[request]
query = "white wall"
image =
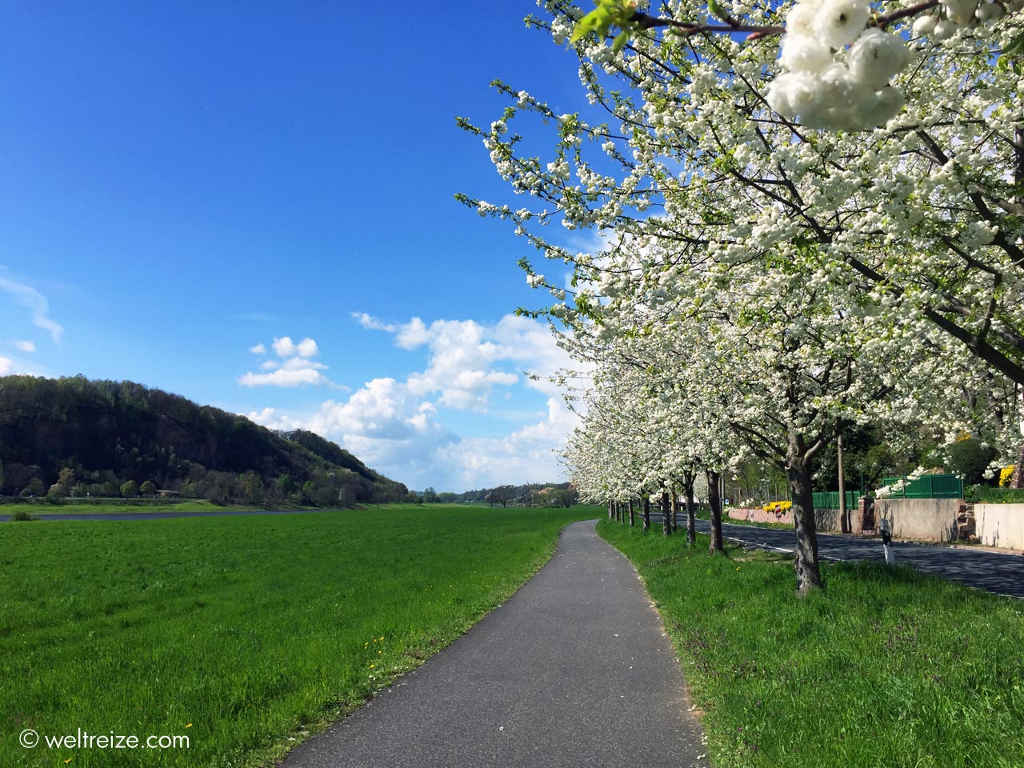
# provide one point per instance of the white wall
(919, 519)
(1000, 525)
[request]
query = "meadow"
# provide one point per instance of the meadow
(243, 633)
(889, 668)
(41, 509)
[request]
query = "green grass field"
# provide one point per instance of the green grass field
(888, 669)
(41, 510)
(242, 633)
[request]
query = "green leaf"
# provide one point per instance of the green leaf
(1013, 50)
(716, 10)
(620, 40)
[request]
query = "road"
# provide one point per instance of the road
(992, 571)
(573, 670)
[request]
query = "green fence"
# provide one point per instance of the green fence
(830, 499)
(927, 487)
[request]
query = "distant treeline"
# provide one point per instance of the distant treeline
(532, 494)
(77, 437)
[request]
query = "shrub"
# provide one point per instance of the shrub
(34, 488)
(969, 458)
(21, 514)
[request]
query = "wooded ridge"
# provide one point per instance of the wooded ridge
(78, 437)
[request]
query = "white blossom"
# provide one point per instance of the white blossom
(876, 56)
(839, 22)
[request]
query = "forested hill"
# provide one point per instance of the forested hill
(76, 437)
(536, 494)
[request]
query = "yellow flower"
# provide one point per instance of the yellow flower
(1006, 475)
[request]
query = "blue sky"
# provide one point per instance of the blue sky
(182, 185)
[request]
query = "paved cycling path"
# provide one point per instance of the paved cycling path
(573, 670)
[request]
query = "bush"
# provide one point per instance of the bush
(984, 494)
(21, 514)
(34, 488)
(130, 489)
(969, 459)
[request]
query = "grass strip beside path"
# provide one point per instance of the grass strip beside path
(241, 632)
(889, 668)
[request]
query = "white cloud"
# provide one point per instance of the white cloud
(285, 347)
(300, 363)
(407, 335)
(26, 346)
(381, 408)
(293, 369)
(34, 301)
(527, 455)
(385, 426)
(271, 418)
(308, 348)
(382, 423)
(283, 377)
(395, 426)
(371, 323)
(6, 366)
(467, 359)
(412, 334)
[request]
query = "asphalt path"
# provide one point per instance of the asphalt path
(573, 670)
(160, 515)
(991, 571)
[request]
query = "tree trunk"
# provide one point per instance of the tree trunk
(808, 575)
(691, 524)
(611, 510)
(675, 509)
(666, 514)
(647, 514)
(715, 502)
(844, 522)
(1017, 481)
(632, 516)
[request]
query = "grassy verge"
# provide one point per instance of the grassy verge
(242, 633)
(888, 668)
(72, 508)
(726, 520)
